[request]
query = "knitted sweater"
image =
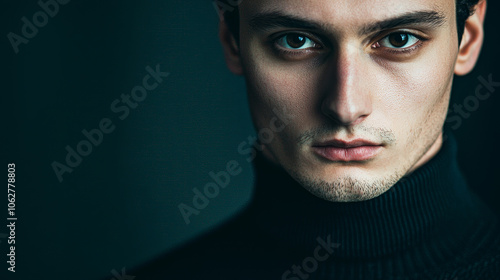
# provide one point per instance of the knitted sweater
(429, 225)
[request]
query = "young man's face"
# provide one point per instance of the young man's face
(368, 83)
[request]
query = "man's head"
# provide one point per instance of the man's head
(368, 83)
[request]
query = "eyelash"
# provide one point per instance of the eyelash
(291, 53)
(403, 51)
(287, 52)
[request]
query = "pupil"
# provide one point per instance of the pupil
(295, 41)
(398, 40)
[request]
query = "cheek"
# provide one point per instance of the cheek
(271, 86)
(419, 91)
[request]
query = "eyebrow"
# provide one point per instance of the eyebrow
(428, 18)
(269, 20)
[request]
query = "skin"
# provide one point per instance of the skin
(346, 82)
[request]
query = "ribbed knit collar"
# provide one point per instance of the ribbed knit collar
(431, 208)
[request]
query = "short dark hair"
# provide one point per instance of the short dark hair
(464, 9)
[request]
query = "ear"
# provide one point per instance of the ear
(231, 49)
(472, 41)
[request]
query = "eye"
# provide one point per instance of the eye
(398, 40)
(296, 41)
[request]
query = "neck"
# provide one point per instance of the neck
(432, 205)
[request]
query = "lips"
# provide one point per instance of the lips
(339, 150)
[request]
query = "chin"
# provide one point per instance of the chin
(346, 183)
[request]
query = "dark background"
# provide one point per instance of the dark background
(118, 208)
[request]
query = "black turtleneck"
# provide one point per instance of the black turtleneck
(427, 226)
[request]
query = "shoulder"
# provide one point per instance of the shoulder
(228, 250)
(480, 255)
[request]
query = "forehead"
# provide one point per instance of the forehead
(345, 13)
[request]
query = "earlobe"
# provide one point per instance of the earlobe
(472, 41)
(231, 49)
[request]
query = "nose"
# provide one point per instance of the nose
(347, 96)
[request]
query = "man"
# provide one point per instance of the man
(359, 180)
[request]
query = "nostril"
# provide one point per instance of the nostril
(344, 116)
